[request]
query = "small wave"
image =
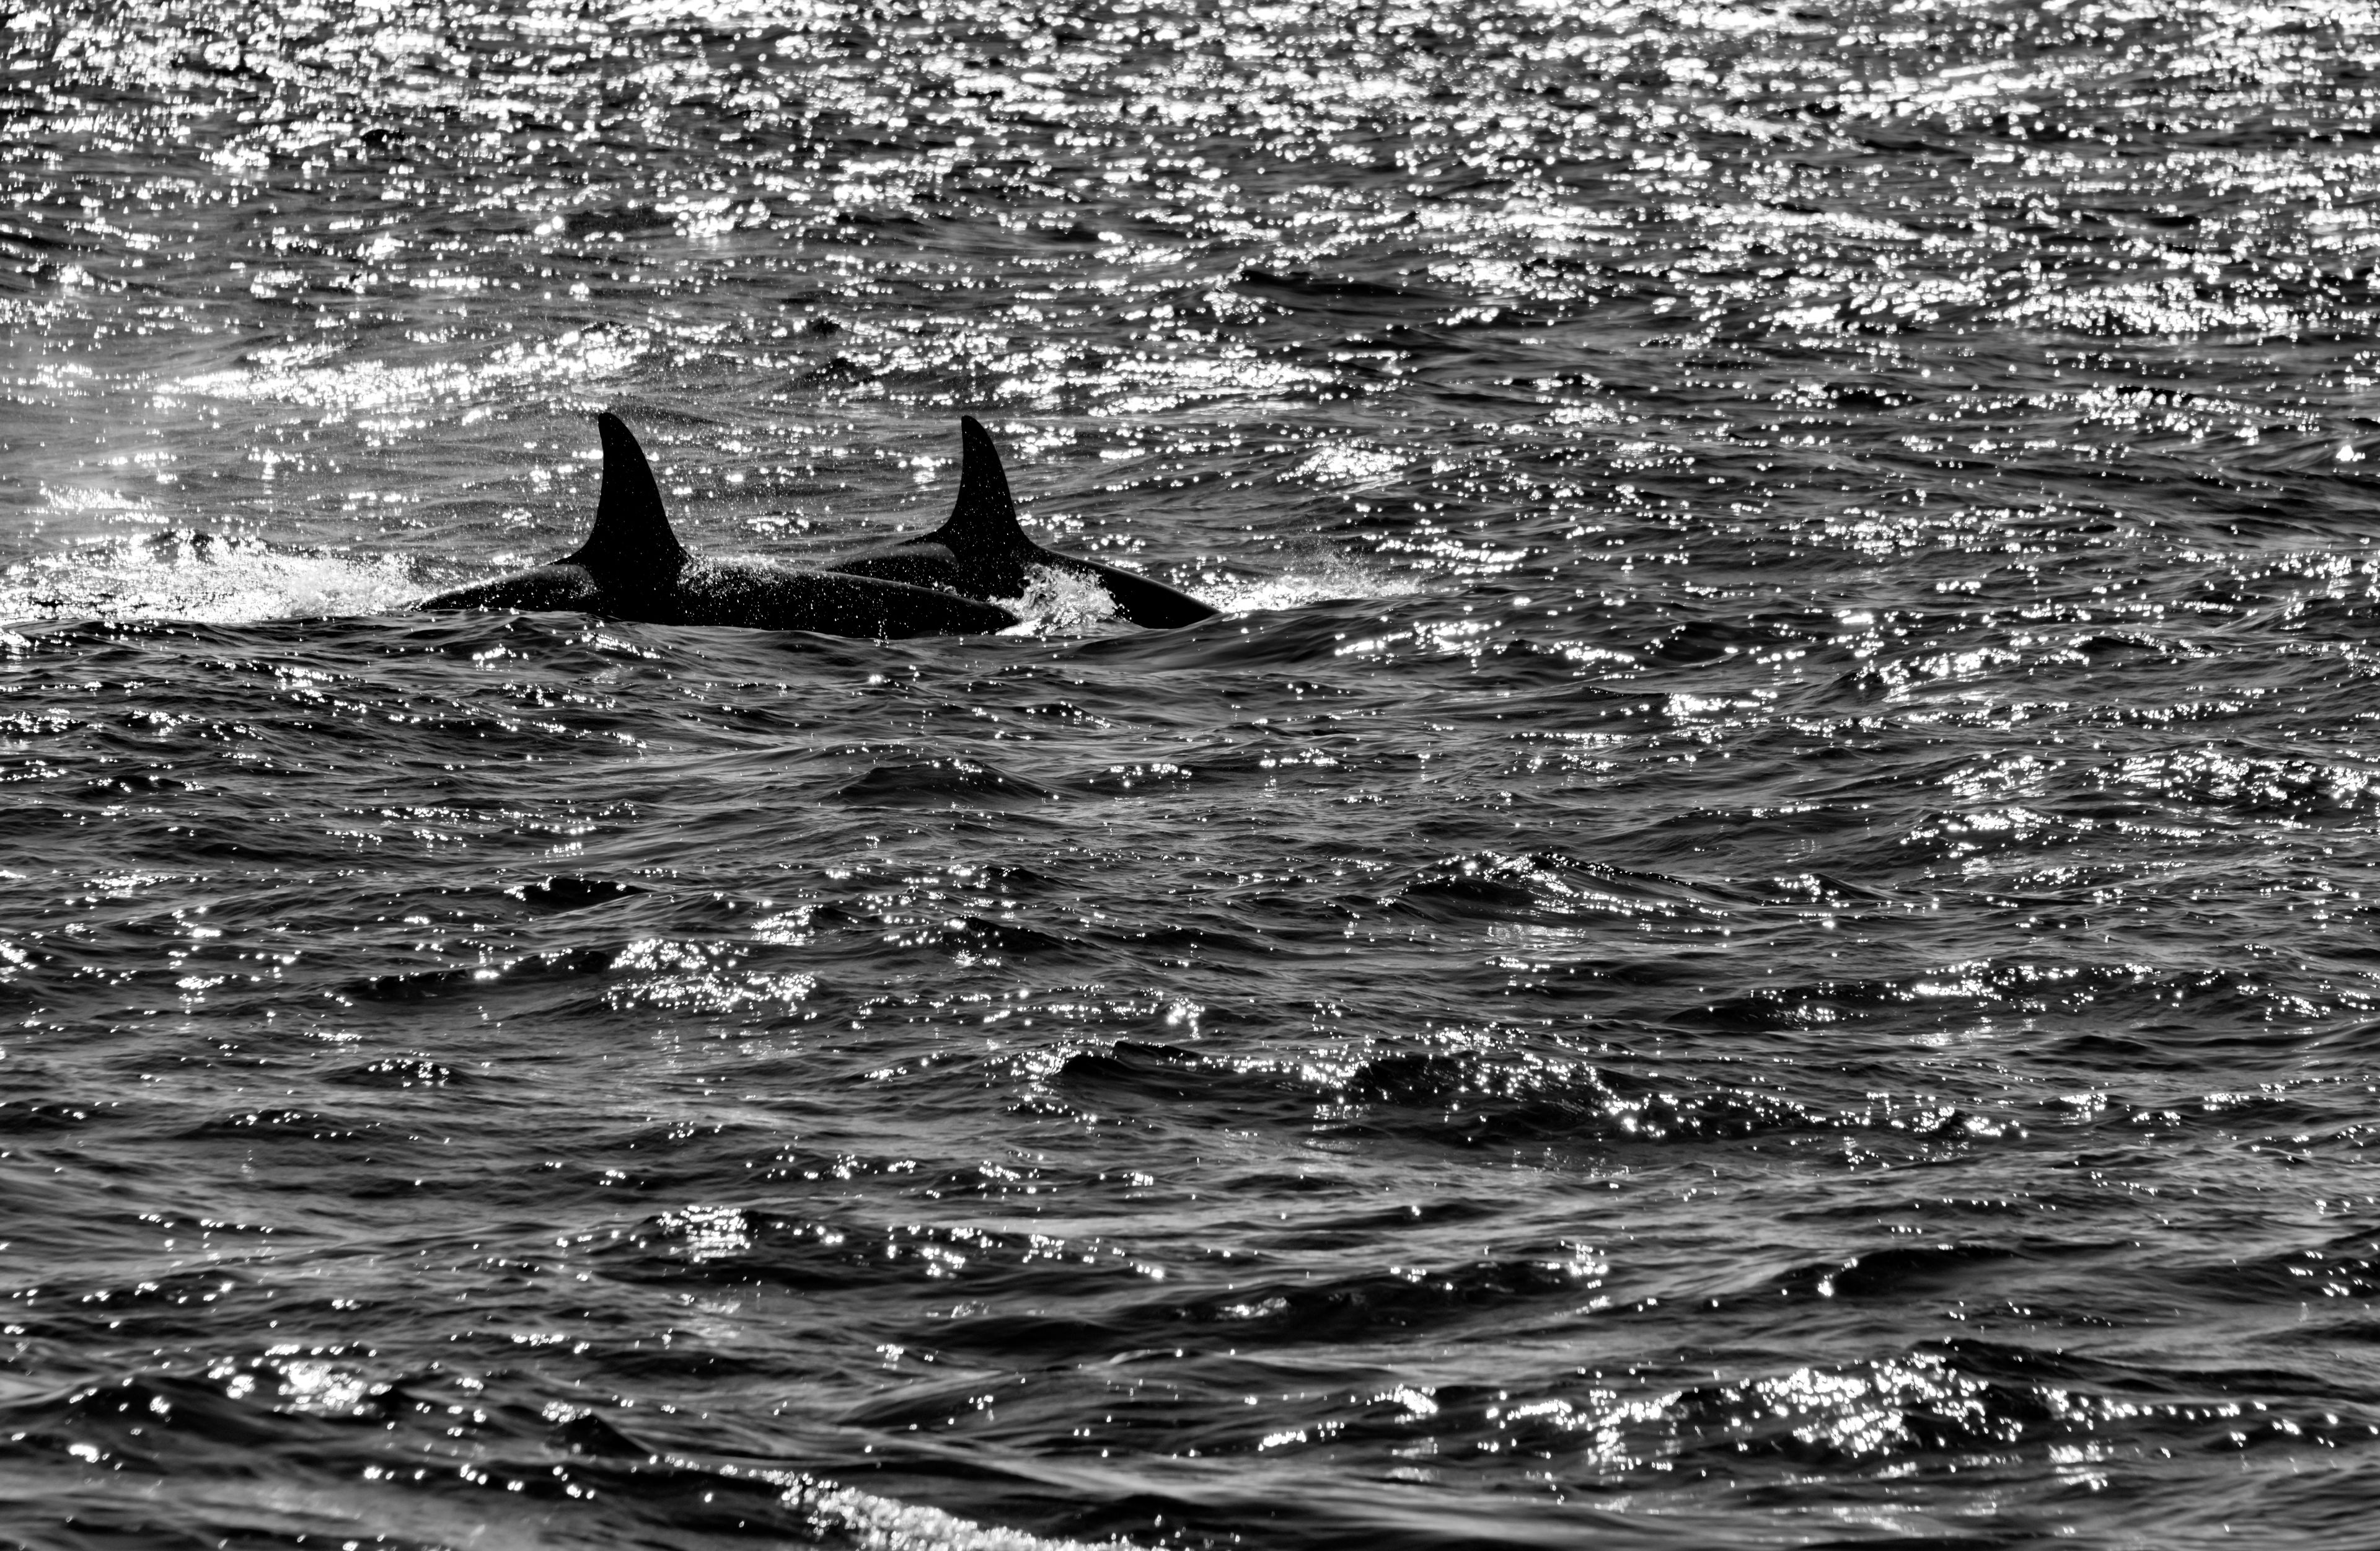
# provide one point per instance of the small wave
(190, 1439)
(2249, 785)
(1314, 571)
(1465, 1098)
(1369, 1305)
(1472, 1098)
(954, 783)
(567, 968)
(410, 1070)
(1496, 886)
(556, 895)
(1353, 464)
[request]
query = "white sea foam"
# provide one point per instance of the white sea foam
(176, 576)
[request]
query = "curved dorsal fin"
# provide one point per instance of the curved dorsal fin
(631, 537)
(985, 517)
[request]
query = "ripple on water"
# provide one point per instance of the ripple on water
(1749, 927)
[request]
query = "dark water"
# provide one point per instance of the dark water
(1756, 929)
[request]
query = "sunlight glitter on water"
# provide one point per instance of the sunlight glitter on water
(1793, 706)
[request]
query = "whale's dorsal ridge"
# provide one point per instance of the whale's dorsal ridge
(632, 536)
(984, 520)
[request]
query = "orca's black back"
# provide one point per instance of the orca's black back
(929, 563)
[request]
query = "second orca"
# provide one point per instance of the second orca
(983, 551)
(633, 568)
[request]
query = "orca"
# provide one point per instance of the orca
(633, 568)
(982, 551)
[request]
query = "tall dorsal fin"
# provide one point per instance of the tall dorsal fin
(631, 539)
(984, 520)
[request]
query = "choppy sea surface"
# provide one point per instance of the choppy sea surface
(1755, 928)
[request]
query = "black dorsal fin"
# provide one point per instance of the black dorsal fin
(632, 538)
(984, 520)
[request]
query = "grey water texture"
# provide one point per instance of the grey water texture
(1751, 926)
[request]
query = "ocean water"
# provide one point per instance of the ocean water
(1755, 928)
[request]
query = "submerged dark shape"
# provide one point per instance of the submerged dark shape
(983, 552)
(633, 568)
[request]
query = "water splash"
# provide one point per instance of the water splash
(1058, 602)
(183, 575)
